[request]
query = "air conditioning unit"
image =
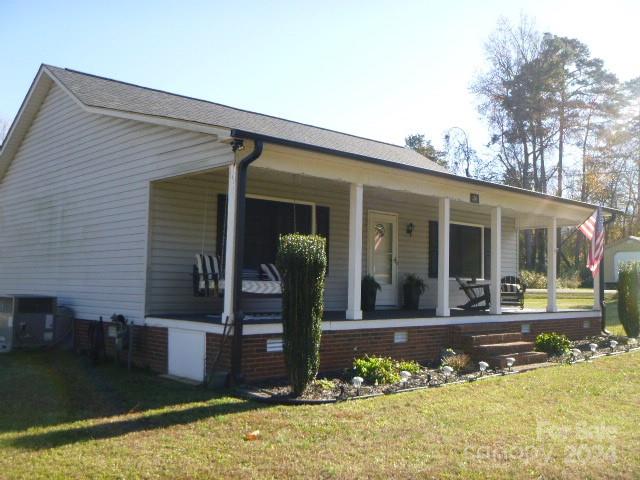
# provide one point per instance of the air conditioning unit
(30, 321)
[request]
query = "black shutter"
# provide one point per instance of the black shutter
(433, 249)
(322, 227)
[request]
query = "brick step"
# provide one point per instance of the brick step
(479, 328)
(490, 339)
(522, 358)
(494, 349)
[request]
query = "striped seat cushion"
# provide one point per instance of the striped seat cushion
(271, 272)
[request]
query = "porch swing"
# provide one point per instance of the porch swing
(208, 270)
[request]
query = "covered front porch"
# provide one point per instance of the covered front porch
(388, 224)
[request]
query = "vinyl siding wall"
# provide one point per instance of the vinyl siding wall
(182, 209)
(74, 205)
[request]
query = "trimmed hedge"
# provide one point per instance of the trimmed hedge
(302, 261)
(628, 296)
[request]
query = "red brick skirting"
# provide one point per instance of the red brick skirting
(150, 347)
(338, 348)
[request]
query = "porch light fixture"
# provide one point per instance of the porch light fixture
(410, 228)
(404, 377)
(447, 371)
(483, 367)
(510, 361)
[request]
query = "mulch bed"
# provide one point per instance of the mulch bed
(339, 388)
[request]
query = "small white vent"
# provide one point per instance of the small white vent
(400, 337)
(586, 324)
(525, 328)
(274, 345)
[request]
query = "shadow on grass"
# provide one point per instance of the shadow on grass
(48, 388)
(111, 429)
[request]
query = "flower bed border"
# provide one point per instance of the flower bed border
(252, 394)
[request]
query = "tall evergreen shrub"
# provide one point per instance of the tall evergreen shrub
(302, 261)
(628, 296)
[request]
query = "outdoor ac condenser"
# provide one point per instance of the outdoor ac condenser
(30, 321)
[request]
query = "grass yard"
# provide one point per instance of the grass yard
(62, 418)
(579, 299)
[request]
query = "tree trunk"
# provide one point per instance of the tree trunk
(528, 246)
(560, 146)
(541, 247)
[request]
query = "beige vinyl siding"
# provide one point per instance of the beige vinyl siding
(180, 207)
(183, 209)
(413, 250)
(74, 205)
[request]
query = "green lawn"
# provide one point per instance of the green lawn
(62, 418)
(579, 299)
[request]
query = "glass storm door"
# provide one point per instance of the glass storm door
(383, 242)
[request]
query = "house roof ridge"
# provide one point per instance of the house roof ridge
(224, 105)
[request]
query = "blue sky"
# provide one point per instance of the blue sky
(376, 69)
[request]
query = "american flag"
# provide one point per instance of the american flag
(593, 229)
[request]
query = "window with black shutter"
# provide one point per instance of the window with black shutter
(465, 250)
(265, 221)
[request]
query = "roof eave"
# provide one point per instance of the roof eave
(445, 175)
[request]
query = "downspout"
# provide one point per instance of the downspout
(235, 376)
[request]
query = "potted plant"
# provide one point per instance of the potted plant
(369, 293)
(414, 286)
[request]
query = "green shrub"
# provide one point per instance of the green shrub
(325, 384)
(410, 366)
(628, 296)
(382, 370)
(570, 282)
(552, 343)
(533, 279)
(302, 261)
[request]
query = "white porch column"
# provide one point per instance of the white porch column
(444, 215)
(496, 260)
(230, 244)
(354, 309)
(552, 265)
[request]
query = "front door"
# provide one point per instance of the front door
(383, 246)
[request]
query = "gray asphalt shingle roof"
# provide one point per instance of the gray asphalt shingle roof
(102, 92)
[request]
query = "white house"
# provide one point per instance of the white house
(108, 190)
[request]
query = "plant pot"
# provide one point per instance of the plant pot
(369, 300)
(411, 297)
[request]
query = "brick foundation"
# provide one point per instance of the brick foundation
(150, 345)
(337, 349)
